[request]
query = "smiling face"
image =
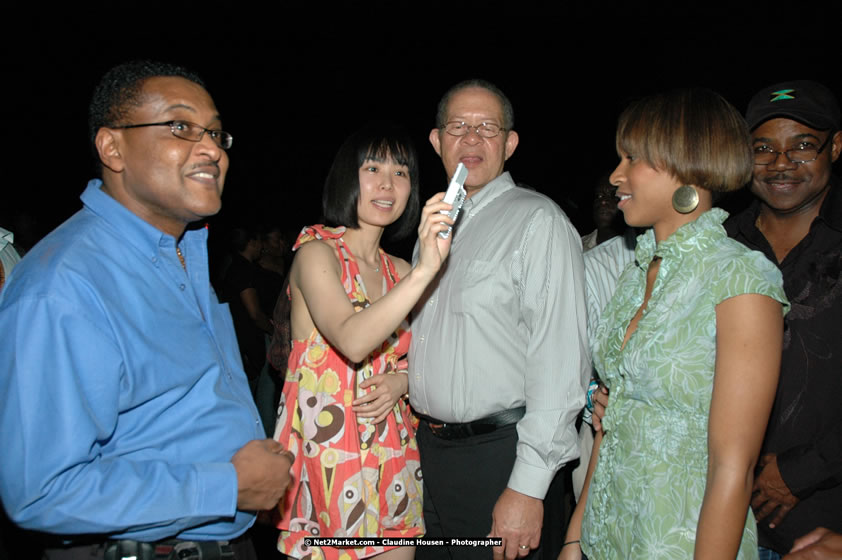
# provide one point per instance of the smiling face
(645, 195)
(384, 190)
(166, 181)
(788, 188)
(484, 157)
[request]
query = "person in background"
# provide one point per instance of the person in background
(603, 266)
(609, 222)
(796, 221)
(240, 291)
(269, 281)
(273, 255)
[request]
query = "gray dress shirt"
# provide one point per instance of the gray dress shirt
(504, 325)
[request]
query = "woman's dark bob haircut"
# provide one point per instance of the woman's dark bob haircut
(377, 141)
(692, 134)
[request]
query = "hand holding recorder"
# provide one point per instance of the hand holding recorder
(437, 220)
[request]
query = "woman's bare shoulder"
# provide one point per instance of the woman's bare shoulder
(314, 255)
(401, 266)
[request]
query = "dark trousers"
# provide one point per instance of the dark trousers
(463, 479)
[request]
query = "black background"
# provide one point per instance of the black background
(293, 80)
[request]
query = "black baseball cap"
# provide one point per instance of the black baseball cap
(805, 101)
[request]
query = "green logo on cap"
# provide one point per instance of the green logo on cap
(781, 94)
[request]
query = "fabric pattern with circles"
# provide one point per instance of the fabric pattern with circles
(351, 477)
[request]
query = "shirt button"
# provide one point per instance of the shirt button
(182, 286)
(154, 259)
(421, 338)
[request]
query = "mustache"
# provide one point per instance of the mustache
(205, 165)
(780, 177)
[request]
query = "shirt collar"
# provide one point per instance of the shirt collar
(488, 193)
(831, 210)
(144, 236)
(686, 238)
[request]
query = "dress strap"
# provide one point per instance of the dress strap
(343, 253)
(318, 231)
(390, 273)
(350, 269)
(347, 260)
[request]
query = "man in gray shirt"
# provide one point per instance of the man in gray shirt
(499, 358)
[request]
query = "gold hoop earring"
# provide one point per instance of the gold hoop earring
(685, 199)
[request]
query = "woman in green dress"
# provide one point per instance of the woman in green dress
(689, 346)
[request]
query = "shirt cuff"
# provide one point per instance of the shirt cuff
(530, 480)
(217, 489)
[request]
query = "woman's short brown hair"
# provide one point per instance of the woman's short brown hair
(695, 135)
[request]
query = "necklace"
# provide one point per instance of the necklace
(375, 269)
(181, 258)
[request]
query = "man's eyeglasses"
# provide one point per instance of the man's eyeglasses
(486, 130)
(805, 152)
(189, 131)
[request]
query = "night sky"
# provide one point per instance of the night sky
(291, 86)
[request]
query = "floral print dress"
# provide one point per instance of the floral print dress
(646, 494)
(351, 477)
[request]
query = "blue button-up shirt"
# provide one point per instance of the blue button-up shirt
(122, 392)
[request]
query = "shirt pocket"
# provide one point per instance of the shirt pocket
(475, 286)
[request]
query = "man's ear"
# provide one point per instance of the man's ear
(435, 140)
(107, 142)
(511, 143)
(836, 146)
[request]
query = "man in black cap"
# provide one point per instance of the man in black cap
(796, 222)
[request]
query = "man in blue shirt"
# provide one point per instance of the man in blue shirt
(125, 414)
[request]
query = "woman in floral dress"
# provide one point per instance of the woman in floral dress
(342, 413)
(689, 345)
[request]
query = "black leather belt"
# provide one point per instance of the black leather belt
(448, 430)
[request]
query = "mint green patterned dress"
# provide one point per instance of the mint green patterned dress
(646, 494)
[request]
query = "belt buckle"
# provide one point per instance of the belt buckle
(187, 550)
(437, 429)
(194, 550)
(123, 549)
